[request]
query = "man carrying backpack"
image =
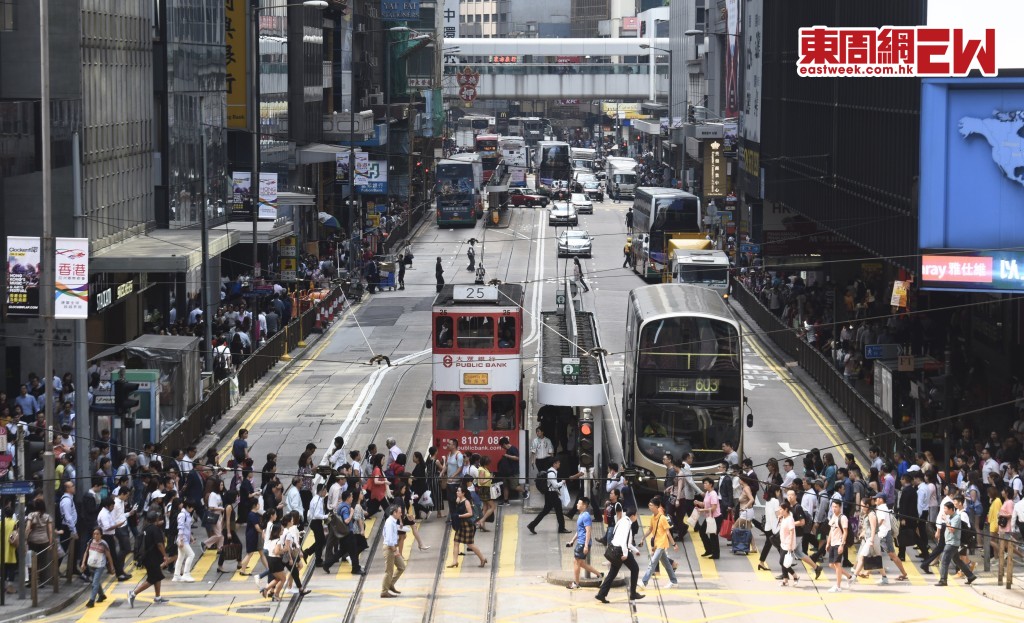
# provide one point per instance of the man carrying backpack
(552, 501)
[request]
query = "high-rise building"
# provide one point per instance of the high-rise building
(586, 15)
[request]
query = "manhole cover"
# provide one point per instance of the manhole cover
(320, 415)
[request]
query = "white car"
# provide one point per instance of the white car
(582, 204)
(575, 242)
(562, 213)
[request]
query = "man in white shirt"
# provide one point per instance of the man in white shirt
(875, 454)
(292, 498)
(186, 462)
(940, 533)
(731, 457)
(923, 496)
(988, 466)
(340, 456)
(394, 564)
(789, 476)
(393, 451)
(540, 450)
(885, 541)
(622, 537)
(552, 501)
(1013, 480)
(334, 493)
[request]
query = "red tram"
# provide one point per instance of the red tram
(477, 392)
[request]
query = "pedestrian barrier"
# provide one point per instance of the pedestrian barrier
(874, 424)
(201, 418)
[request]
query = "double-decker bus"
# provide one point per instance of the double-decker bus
(532, 129)
(458, 197)
(683, 384)
(471, 126)
(477, 390)
(551, 161)
(514, 153)
(659, 215)
(487, 147)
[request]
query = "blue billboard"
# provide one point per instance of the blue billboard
(399, 10)
(972, 163)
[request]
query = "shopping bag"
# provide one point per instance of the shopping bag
(694, 518)
(726, 531)
(787, 561)
(563, 495)
(872, 562)
(712, 526)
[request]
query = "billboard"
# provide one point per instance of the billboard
(241, 195)
(972, 163)
(1005, 16)
(23, 273)
(979, 271)
(374, 181)
(268, 196)
(750, 111)
(450, 19)
(732, 64)
(71, 292)
(399, 10)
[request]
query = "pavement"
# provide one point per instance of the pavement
(332, 389)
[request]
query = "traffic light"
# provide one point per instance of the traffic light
(586, 439)
(124, 402)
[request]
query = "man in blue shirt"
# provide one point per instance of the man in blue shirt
(394, 564)
(581, 543)
(337, 545)
(28, 403)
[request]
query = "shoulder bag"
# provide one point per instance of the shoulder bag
(613, 553)
(339, 529)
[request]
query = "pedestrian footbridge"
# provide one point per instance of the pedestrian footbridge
(539, 69)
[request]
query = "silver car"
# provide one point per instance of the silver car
(575, 242)
(582, 204)
(562, 213)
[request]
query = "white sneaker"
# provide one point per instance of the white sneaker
(835, 589)
(850, 582)
(673, 584)
(293, 591)
(176, 578)
(642, 585)
(884, 581)
(187, 578)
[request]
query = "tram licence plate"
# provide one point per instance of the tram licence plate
(475, 378)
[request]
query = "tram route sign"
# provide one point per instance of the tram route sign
(570, 366)
(476, 294)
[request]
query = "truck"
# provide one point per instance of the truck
(582, 158)
(621, 178)
(701, 267)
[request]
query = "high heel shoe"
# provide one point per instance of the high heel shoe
(761, 567)
(484, 563)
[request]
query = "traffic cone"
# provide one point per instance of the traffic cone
(318, 326)
(330, 313)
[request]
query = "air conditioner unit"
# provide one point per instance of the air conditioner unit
(375, 99)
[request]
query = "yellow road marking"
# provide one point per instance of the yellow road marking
(708, 571)
(509, 546)
(203, 564)
(754, 560)
(800, 395)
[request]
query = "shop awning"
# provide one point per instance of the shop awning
(267, 232)
(161, 251)
(318, 152)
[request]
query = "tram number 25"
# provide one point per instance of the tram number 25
(479, 440)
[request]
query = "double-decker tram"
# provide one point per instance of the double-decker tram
(477, 391)
(683, 385)
(487, 147)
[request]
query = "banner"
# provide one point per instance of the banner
(235, 36)
(71, 292)
(450, 19)
(23, 273)
(268, 196)
(241, 193)
(341, 162)
(375, 179)
(399, 10)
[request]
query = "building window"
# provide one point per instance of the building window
(487, 17)
(503, 17)
(6, 14)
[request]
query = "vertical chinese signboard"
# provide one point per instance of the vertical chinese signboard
(716, 181)
(235, 36)
(71, 295)
(23, 273)
(450, 17)
(287, 249)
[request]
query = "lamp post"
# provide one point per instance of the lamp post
(254, 88)
(670, 60)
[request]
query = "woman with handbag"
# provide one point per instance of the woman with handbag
(275, 564)
(213, 519)
(485, 483)
(868, 529)
(39, 534)
(377, 486)
(787, 543)
(186, 555)
(291, 542)
(232, 546)
(462, 513)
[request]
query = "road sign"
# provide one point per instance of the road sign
(570, 366)
(750, 247)
(559, 299)
(881, 351)
(17, 487)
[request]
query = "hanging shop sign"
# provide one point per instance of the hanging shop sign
(399, 10)
(23, 273)
(71, 291)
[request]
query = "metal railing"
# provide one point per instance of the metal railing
(201, 418)
(874, 424)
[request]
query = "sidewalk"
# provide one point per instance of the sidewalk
(18, 610)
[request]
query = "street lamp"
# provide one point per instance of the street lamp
(644, 46)
(255, 113)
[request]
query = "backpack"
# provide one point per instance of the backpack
(220, 362)
(542, 480)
